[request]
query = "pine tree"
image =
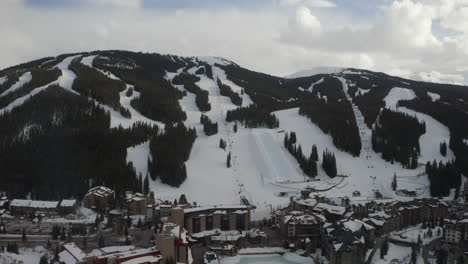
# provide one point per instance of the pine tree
(44, 260)
(85, 242)
(23, 236)
(314, 153)
(139, 224)
(182, 199)
(384, 249)
(394, 182)
(443, 149)
(140, 183)
(101, 243)
(222, 144)
(63, 236)
(413, 255)
(228, 160)
(146, 185)
(235, 127)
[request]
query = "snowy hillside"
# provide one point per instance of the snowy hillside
(113, 131)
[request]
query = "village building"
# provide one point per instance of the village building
(71, 254)
(99, 198)
(347, 241)
(139, 204)
(205, 218)
(300, 226)
(68, 207)
(172, 242)
(28, 207)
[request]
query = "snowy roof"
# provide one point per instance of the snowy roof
(100, 191)
(356, 225)
(67, 203)
(20, 202)
(130, 253)
(67, 258)
(216, 207)
(74, 251)
(134, 197)
(334, 209)
(305, 219)
(143, 260)
(44, 204)
(115, 249)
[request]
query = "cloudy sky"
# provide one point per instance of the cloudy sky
(419, 39)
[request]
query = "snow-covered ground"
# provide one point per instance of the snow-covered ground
(311, 88)
(116, 118)
(138, 155)
(3, 79)
(396, 254)
(315, 71)
(411, 234)
(259, 162)
(434, 97)
(22, 80)
(25, 256)
(262, 167)
(65, 81)
(436, 132)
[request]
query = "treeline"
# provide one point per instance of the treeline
(189, 80)
(442, 178)
(169, 151)
(329, 163)
(158, 98)
(92, 83)
(253, 116)
(454, 117)
(337, 119)
(226, 90)
(39, 78)
(12, 78)
(396, 136)
(209, 127)
(60, 153)
(307, 164)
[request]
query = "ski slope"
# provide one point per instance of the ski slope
(22, 80)
(65, 81)
(116, 118)
(260, 164)
(436, 132)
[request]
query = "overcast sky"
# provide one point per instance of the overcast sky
(419, 39)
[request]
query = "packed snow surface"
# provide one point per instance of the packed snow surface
(65, 81)
(116, 118)
(22, 80)
(434, 97)
(436, 132)
(3, 79)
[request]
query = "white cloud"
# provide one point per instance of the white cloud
(438, 77)
(308, 3)
(292, 36)
(118, 3)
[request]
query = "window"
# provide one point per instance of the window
(225, 222)
(240, 222)
(196, 225)
(209, 222)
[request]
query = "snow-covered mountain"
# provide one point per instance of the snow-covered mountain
(128, 120)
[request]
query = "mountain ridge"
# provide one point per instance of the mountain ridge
(162, 118)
